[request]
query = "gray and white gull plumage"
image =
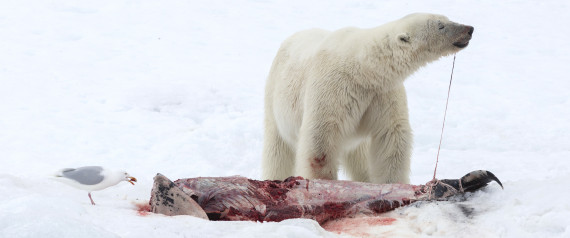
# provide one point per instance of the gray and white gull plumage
(92, 178)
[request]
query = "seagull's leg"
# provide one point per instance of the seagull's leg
(92, 202)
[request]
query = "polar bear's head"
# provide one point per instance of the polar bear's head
(432, 33)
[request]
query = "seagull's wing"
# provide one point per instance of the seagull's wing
(89, 175)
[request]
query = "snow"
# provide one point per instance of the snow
(177, 87)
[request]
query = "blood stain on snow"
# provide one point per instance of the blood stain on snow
(143, 208)
(357, 226)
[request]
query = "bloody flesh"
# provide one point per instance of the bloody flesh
(241, 199)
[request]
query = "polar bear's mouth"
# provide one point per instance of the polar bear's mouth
(461, 44)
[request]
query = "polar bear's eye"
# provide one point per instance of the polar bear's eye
(440, 25)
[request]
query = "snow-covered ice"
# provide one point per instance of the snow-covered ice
(176, 87)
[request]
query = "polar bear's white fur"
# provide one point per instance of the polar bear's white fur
(338, 98)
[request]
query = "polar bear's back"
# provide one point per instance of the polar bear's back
(308, 43)
(304, 44)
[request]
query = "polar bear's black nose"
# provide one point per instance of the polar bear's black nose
(470, 30)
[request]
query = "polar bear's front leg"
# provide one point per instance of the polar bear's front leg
(324, 124)
(332, 112)
(317, 151)
(390, 148)
(390, 155)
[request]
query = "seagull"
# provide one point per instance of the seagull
(92, 178)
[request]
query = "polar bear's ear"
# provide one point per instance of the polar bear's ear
(404, 38)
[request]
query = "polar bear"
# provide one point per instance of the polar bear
(338, 98)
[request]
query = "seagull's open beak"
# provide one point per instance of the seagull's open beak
(131, 180)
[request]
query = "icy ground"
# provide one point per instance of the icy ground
(176, 87)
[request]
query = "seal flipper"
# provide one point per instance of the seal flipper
(478, 179)
(468, 183)
(166, 198)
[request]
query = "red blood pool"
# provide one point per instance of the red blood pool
(143, 208)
